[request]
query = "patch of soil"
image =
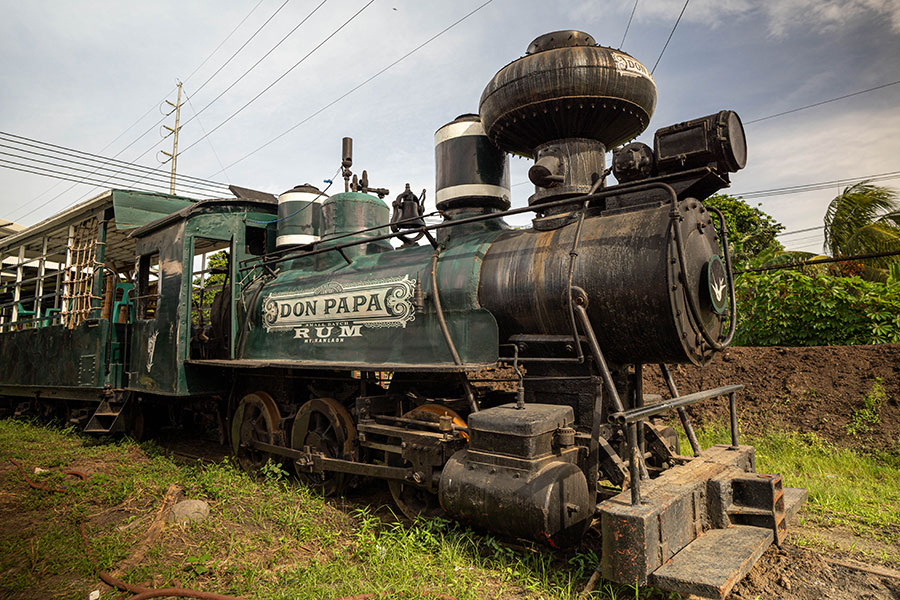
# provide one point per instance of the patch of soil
(792, 573)
(811, 389)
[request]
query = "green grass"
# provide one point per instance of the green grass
(847, 488)
(266, 537)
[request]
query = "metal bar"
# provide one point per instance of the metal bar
(322, 463)
(17, 291)
(400, 432)
(547, 378)
(541, 359)
(392, 448)
(39, 287)
(633, 464)
(598, 357)
(682, 413)
(732, 407)
(606, 192)
(638, 414)
(67, 279)
(639, 403)
(426, 424)
(2, 312)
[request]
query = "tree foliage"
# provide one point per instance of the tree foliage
(864, 219)
(751, 232)
(211, 284)
(789, 308)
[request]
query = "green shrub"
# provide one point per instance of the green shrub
(789, 308)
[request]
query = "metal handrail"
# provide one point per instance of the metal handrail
(642, 413)
(606, 192)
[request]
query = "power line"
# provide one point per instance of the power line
(677, 21)
(120, 152)
(90, 172)
(197, 113)
(113, 179)
(807, 241)
(88, 156)
(783, 233)
(793, 110)
(236, 52)
(203, 129)
(222, 43)
(627, 27)
(153, 127)
(819, 261)
(264, 56)
(811, 187)
(282, 76)
(347, 93)
(66, 177)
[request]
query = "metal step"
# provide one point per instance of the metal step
(107, 418)
(711, 564)
(793, 500)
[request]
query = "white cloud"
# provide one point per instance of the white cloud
(781, 16)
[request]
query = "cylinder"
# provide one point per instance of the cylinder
(299, 216)
(575, 165)
(628, 265)
(471, 171)
(550, 504)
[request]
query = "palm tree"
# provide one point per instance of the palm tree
(864, 219)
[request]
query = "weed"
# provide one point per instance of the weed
(862, 419)
(273, 471)
(197, 564)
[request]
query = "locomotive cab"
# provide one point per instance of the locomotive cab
(188, 292)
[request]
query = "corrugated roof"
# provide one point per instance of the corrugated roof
(8, 228)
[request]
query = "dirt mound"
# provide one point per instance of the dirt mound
(819, 389)
(792, 573)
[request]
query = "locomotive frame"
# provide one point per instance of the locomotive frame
(313, 305)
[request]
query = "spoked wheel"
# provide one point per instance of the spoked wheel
(412, 500)
(325, 426)
(256, 418)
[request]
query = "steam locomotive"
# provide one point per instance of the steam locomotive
(489, 373)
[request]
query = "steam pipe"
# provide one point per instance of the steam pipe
(436, 297)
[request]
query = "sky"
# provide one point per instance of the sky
(82, 74)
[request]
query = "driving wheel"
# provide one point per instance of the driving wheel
(324, 425)
(256, 419)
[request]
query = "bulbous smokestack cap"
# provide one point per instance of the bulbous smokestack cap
(567, 87)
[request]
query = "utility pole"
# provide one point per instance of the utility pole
(176, 108)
